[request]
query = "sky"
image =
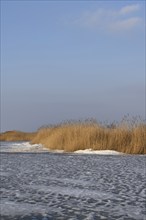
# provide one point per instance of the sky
(71, 60)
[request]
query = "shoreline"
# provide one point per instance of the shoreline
(87, 137)
(19, 147)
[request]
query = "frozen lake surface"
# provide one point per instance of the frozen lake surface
(38, 185)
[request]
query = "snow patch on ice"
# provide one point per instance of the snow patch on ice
(102, 152)
(21, 147)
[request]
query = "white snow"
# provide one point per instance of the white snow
(102, 152)
(21, 147)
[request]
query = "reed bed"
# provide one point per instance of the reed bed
(80, 136)
(126, 137)
(17, 136)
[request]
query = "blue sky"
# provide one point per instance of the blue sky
(63, 60)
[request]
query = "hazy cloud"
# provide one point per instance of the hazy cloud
(126, 24)
(129, 9)
(111, 20)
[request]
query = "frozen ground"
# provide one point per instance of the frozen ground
(18, 147)
(44, 186)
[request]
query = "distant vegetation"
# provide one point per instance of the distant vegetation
(126, 136)
(17, 136)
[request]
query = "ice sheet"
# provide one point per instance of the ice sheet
(72, 186)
